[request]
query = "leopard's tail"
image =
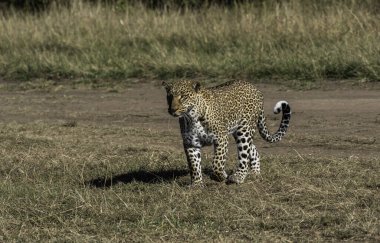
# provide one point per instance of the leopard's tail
(286, 114)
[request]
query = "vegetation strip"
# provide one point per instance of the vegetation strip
(289, 40)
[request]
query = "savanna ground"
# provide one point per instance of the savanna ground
(107, 164)
(89, 152)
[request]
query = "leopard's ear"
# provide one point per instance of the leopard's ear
(196, 86)
(165, 85)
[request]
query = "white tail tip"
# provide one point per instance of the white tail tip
(278, 107)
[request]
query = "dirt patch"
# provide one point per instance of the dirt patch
(339, 122)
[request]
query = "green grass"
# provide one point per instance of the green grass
(293, 40)
(107, 183)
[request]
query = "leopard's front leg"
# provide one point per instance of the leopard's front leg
(192, 147)
(220, 155)
(193, 156)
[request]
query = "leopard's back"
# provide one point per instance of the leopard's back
(233, 102)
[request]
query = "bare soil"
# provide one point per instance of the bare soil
(339, 122)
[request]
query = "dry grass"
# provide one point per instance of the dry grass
(292, 40)
(90, 182)
(83, 174)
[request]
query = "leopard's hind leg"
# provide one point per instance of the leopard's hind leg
(254, 159)
(243, 140)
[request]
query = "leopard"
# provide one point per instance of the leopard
(209, 115)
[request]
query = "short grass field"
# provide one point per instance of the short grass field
(88, 152)
(107, 165)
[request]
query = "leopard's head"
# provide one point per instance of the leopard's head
(181, 96)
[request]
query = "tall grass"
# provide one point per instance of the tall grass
(292, 40)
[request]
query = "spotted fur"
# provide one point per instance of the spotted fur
(208, 115)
